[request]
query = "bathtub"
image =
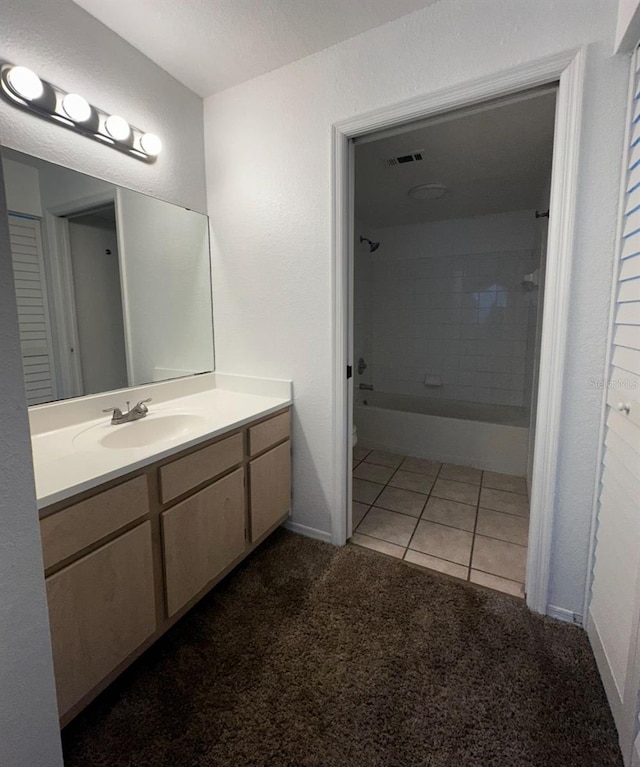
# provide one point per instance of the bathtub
(490, 437)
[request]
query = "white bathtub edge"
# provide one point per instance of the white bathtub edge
(487, 446)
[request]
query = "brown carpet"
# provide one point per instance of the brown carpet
(308, 655)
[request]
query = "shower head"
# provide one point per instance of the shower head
(372, 245)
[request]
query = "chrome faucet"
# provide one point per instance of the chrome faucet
(135, 413)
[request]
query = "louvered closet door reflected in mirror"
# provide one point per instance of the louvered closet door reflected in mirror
(33, 308)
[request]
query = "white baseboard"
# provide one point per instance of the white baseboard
(310, 532)
(604, 667)
(560, 614)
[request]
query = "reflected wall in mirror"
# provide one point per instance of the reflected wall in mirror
(113, 286)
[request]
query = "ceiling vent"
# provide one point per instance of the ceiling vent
(402, 159)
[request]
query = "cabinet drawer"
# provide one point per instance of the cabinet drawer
(68, 531)
(270, 483)
(186, 473)
(101, 609)
(201, 536)
(269, 433)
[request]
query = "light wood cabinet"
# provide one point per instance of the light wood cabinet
(125, 561)
(201, 537)
(270, 483)
(269, 432)
(67, 532)
(178, 477)
(101, 608)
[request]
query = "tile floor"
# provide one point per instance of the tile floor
(464, 522)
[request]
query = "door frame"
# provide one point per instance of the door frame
(567, 68)
(69, 351)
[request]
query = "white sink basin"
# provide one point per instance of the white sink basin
(154, 428)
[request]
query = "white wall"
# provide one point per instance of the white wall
(268, 146)
(166, 296)
(628, 26)
(64, 44)
(60, 187)
(447, 302)
(28, 712)
(22, 187)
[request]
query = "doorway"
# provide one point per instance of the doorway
(97, 292)
(567, 69)
(447, 297)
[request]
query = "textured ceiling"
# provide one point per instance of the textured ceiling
(211, 45)
(492, 161)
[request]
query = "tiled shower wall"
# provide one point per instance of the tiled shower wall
(440, 310)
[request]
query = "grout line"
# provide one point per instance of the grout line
(407, 490)
(373, 463)
(370, 481)
(370, 503)
(416, 527)
(384, 540)
(361, 521)
(509, 513)
(504, 578)
(459, 503)
(475, 529)
(450, 561)
(395, 511)
(430, 494)
(459, 482)
(493, 538)
(502, 490)
(444, 524)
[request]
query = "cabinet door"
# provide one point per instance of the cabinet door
(270, 481)
(101, 609)
(202, 536)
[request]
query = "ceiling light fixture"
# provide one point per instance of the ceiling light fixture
(24, 89)
(427, 191)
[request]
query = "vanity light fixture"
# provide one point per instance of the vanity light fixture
(117, 127)
(151, 144)
(76, 108)
(25, 83)
(24, 89)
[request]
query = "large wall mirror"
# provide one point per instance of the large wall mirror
(113, 287)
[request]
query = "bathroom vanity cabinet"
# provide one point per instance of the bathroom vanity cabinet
(126, 560)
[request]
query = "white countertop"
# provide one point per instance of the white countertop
(69, 458)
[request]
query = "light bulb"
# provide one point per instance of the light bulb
(117, 127)
(25, 83)
(76, 107)
(151, 144)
